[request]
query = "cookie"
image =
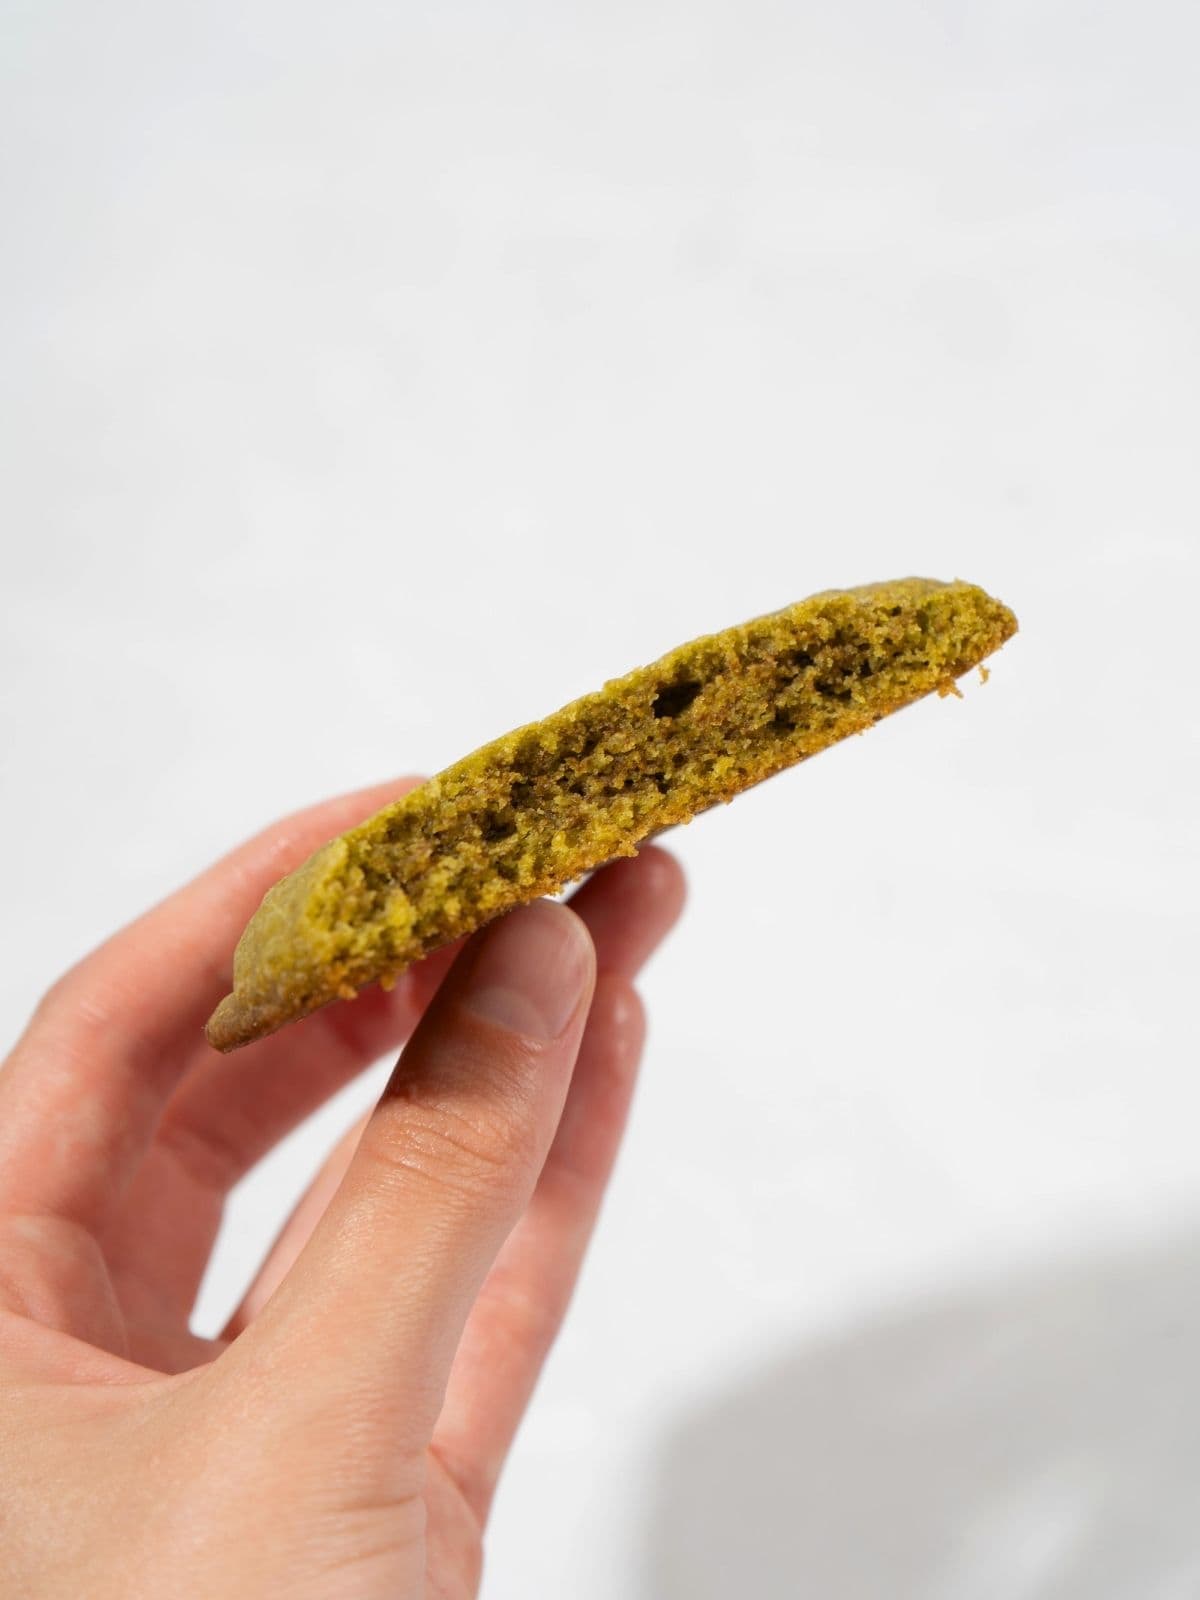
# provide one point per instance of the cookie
(534, 810)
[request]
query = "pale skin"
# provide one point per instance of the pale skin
(344, 1435)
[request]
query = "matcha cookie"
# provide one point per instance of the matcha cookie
(534, 810)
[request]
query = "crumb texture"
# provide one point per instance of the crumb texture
(539, 807)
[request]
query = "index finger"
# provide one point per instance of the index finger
(83, 1089)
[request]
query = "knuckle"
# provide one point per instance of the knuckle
(471, 1150)
(81, 1004)
(213, 1156)
(470, 1477)
(53, 997)
(525, 1316)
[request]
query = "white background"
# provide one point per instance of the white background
(378, 377)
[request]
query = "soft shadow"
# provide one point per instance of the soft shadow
(1039, 1441)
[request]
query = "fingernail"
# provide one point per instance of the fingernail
(532, 970)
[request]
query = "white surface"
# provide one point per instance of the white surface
(336, 339)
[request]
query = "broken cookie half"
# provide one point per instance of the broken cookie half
(534, 810)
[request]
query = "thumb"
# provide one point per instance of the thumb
(361, 1334)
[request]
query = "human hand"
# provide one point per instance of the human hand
(344, 1435)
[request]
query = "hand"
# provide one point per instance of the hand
(344, 1436)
